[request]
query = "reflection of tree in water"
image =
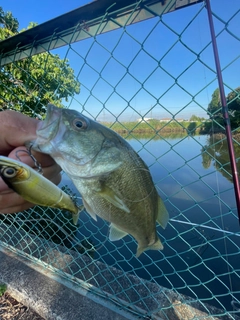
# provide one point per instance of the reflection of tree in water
(216, 152)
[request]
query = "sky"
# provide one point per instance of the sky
(160, 68)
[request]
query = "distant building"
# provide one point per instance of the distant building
(144, 119)
(165, 120)
(180, 120)
(171, 119)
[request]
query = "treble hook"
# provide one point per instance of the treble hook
(36, 163)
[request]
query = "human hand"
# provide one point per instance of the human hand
(15, 130)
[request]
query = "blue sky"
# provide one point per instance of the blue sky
(163, 76)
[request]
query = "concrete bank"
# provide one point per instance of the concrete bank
(60, 284)
(53, 299)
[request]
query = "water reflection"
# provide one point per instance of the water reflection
(192, 261)
(194, 257)
(216, 152)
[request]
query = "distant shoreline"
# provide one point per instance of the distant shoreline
(155, 126)
(173, 126)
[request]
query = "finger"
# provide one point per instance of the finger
(3, 186)
(22, 125)
(17, 208)
(54, 176)
(11, 202)
(48, 165)
(22, 154)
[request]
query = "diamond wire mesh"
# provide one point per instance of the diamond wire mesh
(191, 171)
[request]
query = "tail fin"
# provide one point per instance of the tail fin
(156, 246)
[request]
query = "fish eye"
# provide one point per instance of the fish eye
(79, 124)
(9, 172)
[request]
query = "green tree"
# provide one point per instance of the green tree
(196, 118)
(233, 101)
(214, 107)
(30, 84)
(9, 24)
(215, 113)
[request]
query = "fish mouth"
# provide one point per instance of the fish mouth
(47, 129)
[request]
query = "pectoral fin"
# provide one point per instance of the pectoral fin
(163, 216)
(115, 233)
(75, 216)
(108, 194)
(89, 210)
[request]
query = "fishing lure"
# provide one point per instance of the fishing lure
(34, 187)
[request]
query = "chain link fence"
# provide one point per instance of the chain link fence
(147, 71)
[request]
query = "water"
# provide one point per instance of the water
(194, 179)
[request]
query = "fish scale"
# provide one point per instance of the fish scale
(114, 182)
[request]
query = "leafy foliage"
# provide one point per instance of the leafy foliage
(30, 84)
(196, 118)
(233, 100)
(3, 288)
(214, 107)
(9, 24)
(215, 111)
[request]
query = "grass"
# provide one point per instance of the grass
(3, 288)
(154, 126)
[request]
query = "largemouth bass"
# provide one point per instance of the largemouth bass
(34, 187)
(114, 182)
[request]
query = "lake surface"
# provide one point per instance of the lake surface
(193, 177)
